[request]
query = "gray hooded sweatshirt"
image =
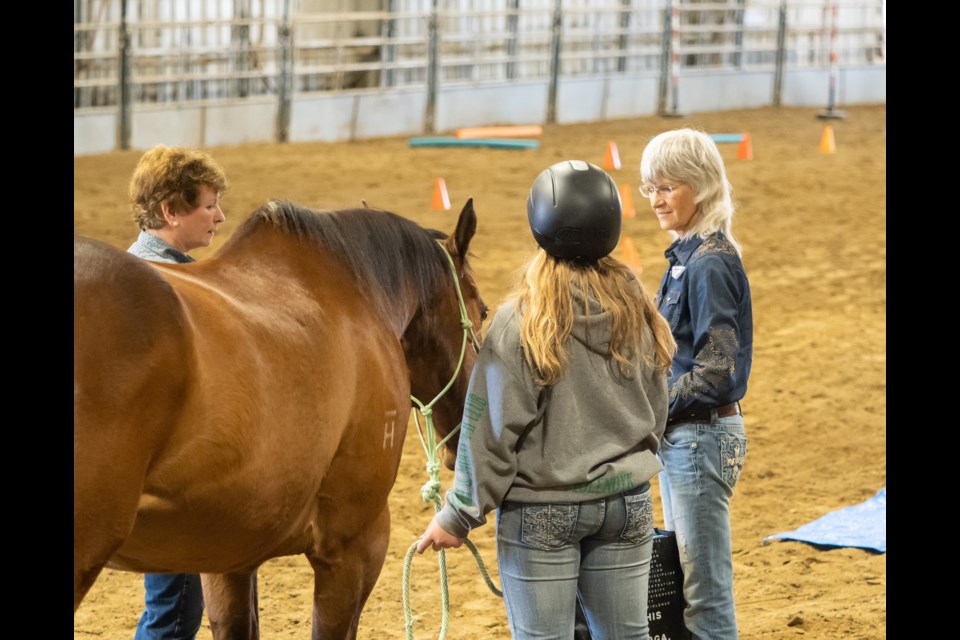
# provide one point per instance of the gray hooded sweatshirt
(598, 437)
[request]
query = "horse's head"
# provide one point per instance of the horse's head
(435, 341)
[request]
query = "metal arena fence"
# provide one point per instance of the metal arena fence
(144, 55)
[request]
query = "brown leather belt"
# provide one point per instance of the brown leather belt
(703, 415)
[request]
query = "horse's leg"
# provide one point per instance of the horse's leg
(231, 603)
(344, 577)
(94, 541)
(87, 565)
(82, 582)
(104, 510)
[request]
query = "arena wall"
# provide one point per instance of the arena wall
(576, 61)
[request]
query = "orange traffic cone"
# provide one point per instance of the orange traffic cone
(612, 160)
(745, 150)
(441, 201)
(629, 255)
(827, 144)
(626, 201)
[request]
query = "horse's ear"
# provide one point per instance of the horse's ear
(364, 203)
(466, 228)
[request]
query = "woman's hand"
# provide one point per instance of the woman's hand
(437, 538)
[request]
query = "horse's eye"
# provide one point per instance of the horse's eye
(483, 313)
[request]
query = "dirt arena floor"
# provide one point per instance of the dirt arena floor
(813, 227)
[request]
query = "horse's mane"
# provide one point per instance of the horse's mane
(388, 254)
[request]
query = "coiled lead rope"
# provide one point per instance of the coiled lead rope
(431, 489)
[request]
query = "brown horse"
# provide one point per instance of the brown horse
(254, 404)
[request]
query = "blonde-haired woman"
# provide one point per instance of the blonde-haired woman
(567, 403)
(705, 296)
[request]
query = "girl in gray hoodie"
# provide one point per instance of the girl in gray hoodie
(565, 409)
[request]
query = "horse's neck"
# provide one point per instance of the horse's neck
(271, 253)
(267, 252)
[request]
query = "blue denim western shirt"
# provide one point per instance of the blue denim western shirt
(705, 297)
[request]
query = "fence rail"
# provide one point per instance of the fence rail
(190, 53)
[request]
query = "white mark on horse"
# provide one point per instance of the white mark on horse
(388, 427)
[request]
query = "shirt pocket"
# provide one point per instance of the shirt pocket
(671, 306)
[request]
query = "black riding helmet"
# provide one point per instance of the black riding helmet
(574, 211)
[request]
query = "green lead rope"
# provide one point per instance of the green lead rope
(431, 492)
(431, 489)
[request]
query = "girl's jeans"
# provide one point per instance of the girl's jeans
(598, 551)
(701, 465)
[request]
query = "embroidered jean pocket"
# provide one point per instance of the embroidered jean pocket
(639, 519)
(548, 526)
(733, 452)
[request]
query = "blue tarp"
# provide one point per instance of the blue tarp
(863, 525)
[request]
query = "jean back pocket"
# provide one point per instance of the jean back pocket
(639, 518)
(548, 526)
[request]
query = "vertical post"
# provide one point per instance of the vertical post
(513, 20)
(781, 55)
(389, 50)
(185, 60)
(663, 84)
(240, 49)
(285, 78)
(738, 37)
(831, 113)
(125, 108)
(433, 65)
(554, 61)
(672, 26)
(623, 39)
(80, 44)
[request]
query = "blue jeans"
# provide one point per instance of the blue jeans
(701, 465)
(174, 607)
(549, 555)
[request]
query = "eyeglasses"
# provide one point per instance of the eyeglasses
(664, 190)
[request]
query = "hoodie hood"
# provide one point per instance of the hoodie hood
(592, 330)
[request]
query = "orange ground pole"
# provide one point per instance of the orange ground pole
(517, 131)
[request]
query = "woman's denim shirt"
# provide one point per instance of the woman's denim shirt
(705, 297)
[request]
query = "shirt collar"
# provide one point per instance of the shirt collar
(162, 247)
(682, 248)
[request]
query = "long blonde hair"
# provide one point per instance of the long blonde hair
(545, 299)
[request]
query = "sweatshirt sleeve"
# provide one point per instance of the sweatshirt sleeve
(500, 403)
